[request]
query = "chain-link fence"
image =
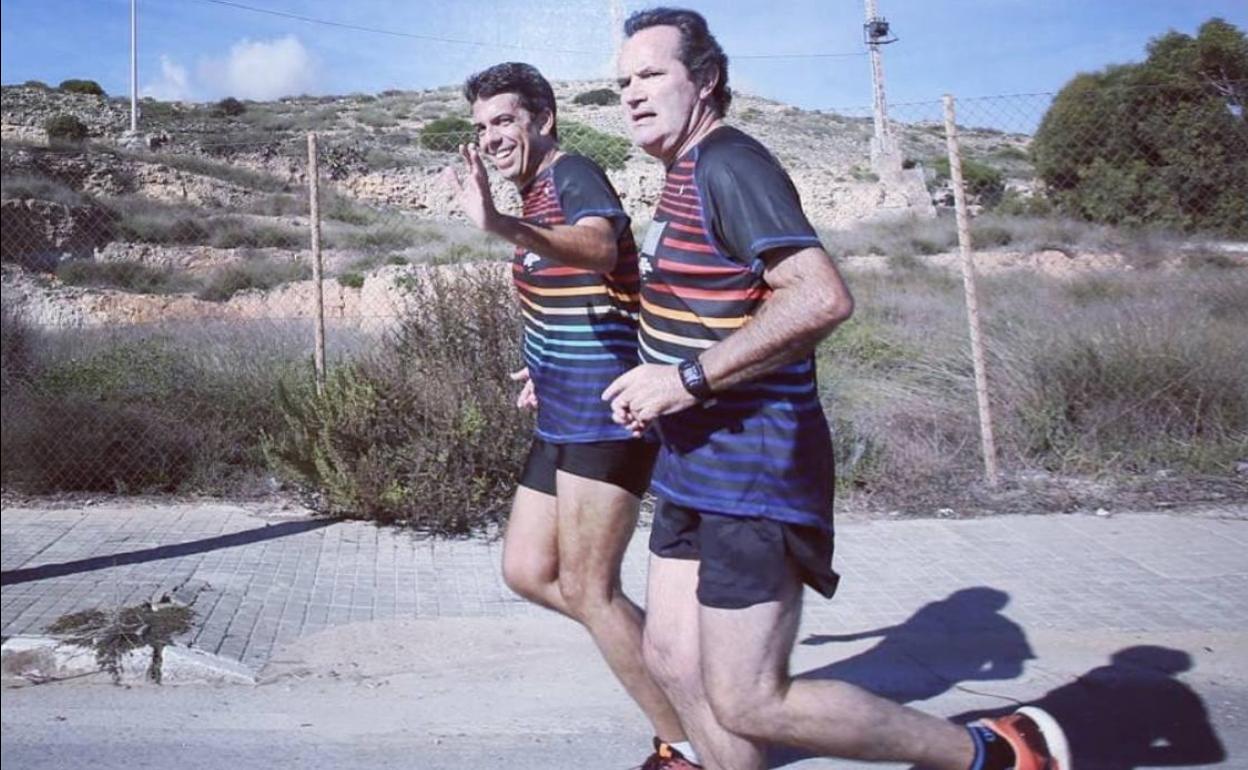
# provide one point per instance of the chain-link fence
(159, 307)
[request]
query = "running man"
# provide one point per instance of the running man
(737, 291)
(575, 270)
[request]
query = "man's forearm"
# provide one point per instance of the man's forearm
(585, 246)
(785, 329)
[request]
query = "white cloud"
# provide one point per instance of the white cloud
(261, 69)
(174, 84)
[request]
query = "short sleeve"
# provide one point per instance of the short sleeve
(750, 205)
(585, 191)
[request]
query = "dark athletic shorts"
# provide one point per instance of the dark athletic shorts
(626, 463)
(744, 560)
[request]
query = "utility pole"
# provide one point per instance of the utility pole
(885, 156)
(134, 69)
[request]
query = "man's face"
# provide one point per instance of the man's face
(512, 138)
(659, 96)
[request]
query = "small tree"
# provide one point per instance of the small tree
(230, 107)
(65, 128)
(76, 86)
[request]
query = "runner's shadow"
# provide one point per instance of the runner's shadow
(1132, 713)
(961, 638)
(958, 639)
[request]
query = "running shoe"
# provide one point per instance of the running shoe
(667, 758)
(1036, 737)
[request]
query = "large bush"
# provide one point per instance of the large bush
(65, 128)
(607, 150)
(425, 430)
(446, 134)
(1160, 143)
(601, 97)
(230, 107)
(77, 86)
(984, 182)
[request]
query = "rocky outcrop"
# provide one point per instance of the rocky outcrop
(38, 234)
(31, 107)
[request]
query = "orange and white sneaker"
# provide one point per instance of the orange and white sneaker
(667, 758)
(1036, 738)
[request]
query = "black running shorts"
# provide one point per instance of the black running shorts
(626, 463)
(744, 560)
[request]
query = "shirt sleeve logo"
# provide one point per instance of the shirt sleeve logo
(531, 259)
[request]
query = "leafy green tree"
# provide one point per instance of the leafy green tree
(1160, 143)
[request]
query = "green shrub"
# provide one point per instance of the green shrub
(229, 107)
(75, 86)
(606, 150)
(170, 413)
(446, 134)
(262, 274)
(601, 97)
(17, 345)
(351, 280)
(425, 430)
(128, 276)
(65, 128)
(37, 84)
(376, 118)
(983, 181)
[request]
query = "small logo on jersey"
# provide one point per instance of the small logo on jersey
(531, 259)
(654, 233)
(645, 265)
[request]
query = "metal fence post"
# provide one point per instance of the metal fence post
(314, 221)
(987, 443)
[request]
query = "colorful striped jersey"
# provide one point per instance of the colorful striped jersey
(761, 448)
(580, 326)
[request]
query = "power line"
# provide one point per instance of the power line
(391, 32)
(480, 44)
(735, 57)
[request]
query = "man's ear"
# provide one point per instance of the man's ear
(546, 124)
(708, 87)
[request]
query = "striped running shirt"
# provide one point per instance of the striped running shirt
(761, 448)
(580, 326)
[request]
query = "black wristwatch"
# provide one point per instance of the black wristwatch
(694, 379)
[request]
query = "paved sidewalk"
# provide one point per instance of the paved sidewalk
(258, 580)
(1132, 627)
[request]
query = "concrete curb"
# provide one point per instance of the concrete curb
(39, 659)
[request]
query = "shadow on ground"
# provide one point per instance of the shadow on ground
(1130, 714)
(256, 535)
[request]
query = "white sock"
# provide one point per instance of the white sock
(686, 748)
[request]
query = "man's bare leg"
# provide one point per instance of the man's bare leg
(745, 655)
(596, 520)
(673, 655)
(531, 550)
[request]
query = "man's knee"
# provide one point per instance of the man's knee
(670, 659)
(748, 709)
(585, 595)
(525, 577)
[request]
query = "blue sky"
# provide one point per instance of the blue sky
(199, 49)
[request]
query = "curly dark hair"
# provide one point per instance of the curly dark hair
(517, 78)
(699, 50)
